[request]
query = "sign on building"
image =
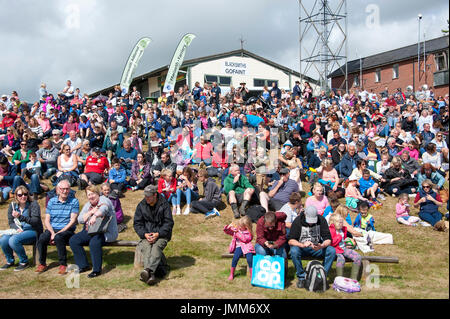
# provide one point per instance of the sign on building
(238, 68)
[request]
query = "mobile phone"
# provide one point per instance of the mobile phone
(270, 242)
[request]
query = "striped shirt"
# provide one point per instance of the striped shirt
(60, 211)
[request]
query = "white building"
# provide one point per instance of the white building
(227, 69)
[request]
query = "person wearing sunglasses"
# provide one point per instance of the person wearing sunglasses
(24, 216)
(429, 202)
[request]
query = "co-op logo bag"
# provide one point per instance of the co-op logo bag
(268, 272)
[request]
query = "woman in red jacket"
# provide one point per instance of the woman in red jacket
(338, 235)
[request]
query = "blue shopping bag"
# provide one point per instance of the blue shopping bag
(268, 272)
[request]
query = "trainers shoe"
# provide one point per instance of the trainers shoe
(22, 266)
(62, 270)
(7, 266)
(178, 211)
(209, 215)
(216, 212)
(381, 197)
(187, 211)
(425, 224)
(41, 268)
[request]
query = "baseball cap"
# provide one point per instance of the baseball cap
(150, 190)
(4, 95)
(96, 150)
(311, 214)
(284, 171)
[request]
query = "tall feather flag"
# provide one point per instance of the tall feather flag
(133, 60)
(177, 61)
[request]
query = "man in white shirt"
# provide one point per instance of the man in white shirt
(73, 141)
(68, 91)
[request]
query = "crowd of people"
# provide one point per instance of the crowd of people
(257, 151)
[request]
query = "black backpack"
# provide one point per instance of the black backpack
(255, 212)
(316, 278)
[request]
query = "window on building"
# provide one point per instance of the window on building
(395, 71)
(441, 61)
(210, 78)
(378, 75)
(224, 80)
(259, 82)
(220, 80)
(263, 82)
(155, 94)
(356, 80)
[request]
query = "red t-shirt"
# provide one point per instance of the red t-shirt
(8, 120)
(307, 125)
(96, 165)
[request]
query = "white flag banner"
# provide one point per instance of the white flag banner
(133, 60)
(176, 62)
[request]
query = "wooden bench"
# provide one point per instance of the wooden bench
(366, 260)
(138, 262)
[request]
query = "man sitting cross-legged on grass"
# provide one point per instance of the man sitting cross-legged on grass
(153, 223)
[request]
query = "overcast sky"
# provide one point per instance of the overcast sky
(88, 41)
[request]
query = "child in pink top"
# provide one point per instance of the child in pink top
(402, 211)
(318, 200)
(241, 244)
(352, 193)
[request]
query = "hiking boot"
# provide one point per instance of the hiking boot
(62, 270)
(41, 268)
(145, 274)
(235, 210)
(22, 266)
(301, 283)
(152, 279)
(243, 207)
(7, 266)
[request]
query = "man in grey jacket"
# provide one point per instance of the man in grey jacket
(153, 223)
(48, 156)
(211, 199)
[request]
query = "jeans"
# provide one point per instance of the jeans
(238, 254)
(5, 192)
(14, 243)
(328, 253)
(95, 242)
(188, 195)
(35, 185)
(61, 240)
(431, 218)
(260, 250)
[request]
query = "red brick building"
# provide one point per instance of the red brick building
(398, 69)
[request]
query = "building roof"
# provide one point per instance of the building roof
(192, 62)
(392, 56)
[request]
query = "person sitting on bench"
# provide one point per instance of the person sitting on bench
(238, 190)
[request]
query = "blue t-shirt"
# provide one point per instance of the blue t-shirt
(60, 212)
(365, 185)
